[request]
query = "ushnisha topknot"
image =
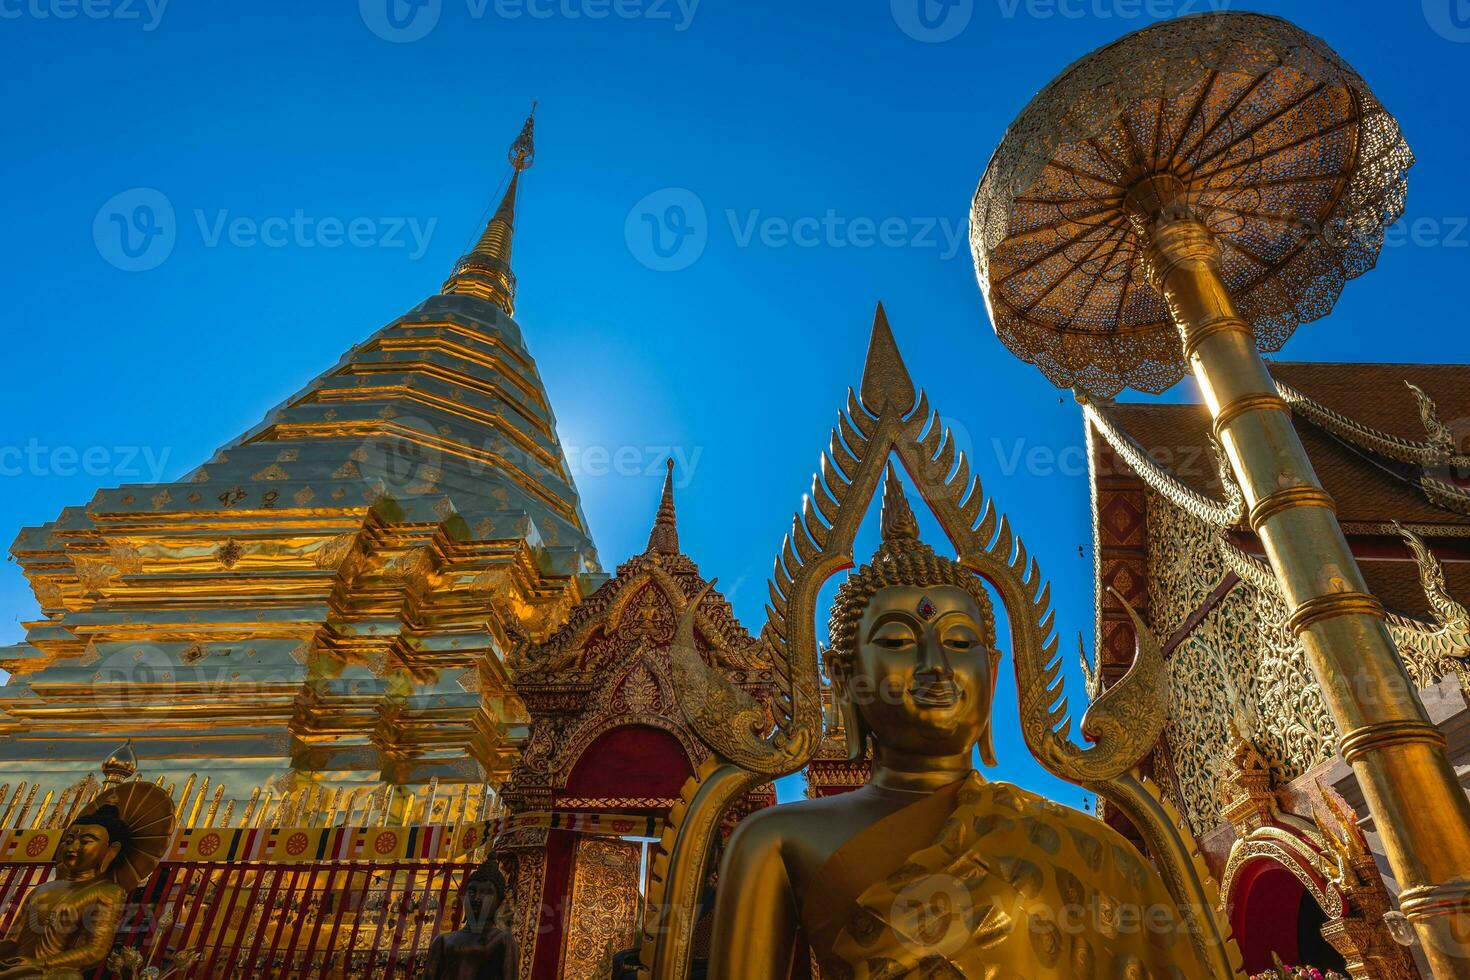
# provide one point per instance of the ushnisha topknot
(488, 873)
(903, 560)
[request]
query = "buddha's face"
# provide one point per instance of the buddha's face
(482, 901)
(85, 851)
(922, 674)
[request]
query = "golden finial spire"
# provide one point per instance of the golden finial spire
(664, 538)
(897, 518)
(120, 765)
(485, 270)
(885, 379)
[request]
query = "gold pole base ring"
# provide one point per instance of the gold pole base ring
(1252, 402)
(1278, 500)
(1201, 332)
(1428, 901)
(1329, 606)
(1360, 741)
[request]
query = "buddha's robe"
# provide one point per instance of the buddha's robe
(1009, 886)
(67, 926)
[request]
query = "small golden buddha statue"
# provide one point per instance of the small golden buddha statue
(481, 949)
(929, 870)
(68, 924)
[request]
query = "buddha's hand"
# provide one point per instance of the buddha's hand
(19, 968)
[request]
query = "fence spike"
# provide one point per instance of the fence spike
(184, 797)
(20, 817)
(250, 807)
(41, 810)
(219, 792)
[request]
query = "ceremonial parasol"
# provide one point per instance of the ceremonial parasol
(1179, 201)
(1257, 129)
(149, 815)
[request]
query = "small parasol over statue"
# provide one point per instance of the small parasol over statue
(68, 924)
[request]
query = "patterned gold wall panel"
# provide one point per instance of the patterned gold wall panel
(1241, 659)
(602, 915)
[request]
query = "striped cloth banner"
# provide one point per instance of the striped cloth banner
(305, 845)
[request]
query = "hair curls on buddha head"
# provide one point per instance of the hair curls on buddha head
(901, 560)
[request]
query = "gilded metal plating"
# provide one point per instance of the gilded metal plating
(1286, 498)
(1325, 607)
(1359, 741)
(1252, 402)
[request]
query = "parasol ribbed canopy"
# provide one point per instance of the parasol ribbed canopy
(149, 814)
(1281, 149)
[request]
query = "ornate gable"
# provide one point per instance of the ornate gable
(608, 665)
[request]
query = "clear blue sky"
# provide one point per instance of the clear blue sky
(759, 113)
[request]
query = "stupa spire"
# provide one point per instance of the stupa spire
(484, 271)
(664, 537)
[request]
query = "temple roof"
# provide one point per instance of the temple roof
(637, 606)
(1354, 420)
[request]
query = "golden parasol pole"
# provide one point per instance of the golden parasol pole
(1419, 808)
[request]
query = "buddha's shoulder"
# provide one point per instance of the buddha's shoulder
(100, 890)
(1031, 807)
(774, 824)
(107, 888)
(784, 817)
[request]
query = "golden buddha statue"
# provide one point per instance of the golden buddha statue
(68, 924)
(481, 949)
(929, 870)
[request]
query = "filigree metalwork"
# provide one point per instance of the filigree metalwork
(889, 416)
(1222, 513)
(1430, 648)
(603, 906)
(1240, 660)
(1285, 154)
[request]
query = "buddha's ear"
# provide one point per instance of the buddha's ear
(113, 850)
(987, 737)
(987, 747)
(852, 723)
